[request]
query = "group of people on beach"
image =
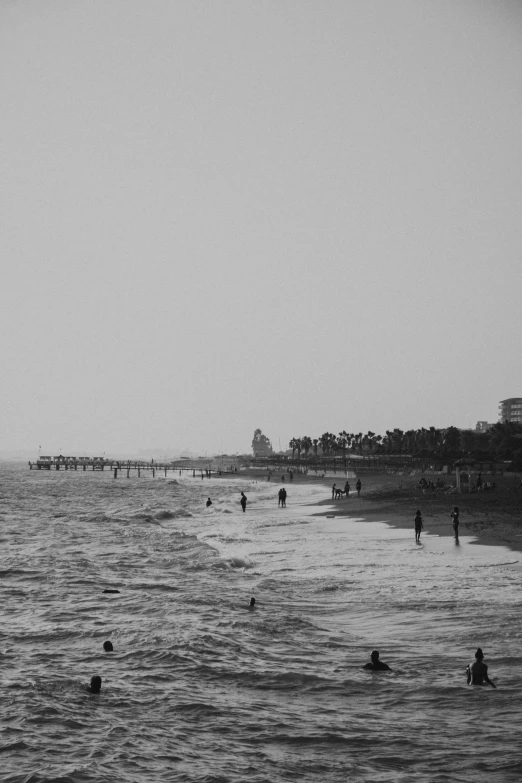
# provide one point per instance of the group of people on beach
(455, 516)
(337, 492)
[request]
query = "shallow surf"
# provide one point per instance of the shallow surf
(201, 688)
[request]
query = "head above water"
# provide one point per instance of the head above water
(107, 646)
(252, 602)
(374, 656)
(96, 682)
(479, 654)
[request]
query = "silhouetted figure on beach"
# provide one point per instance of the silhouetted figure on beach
(333, 491)
(418, 526)
(95, 686)
(376, 664)
(283, 479)
(107, 646)
(252, 603)
(243, 501)
(280, 498)
(358, 487)
(455, 517)
(477, 672)
(283, 497)
(208, 503)
(347, 489)
(291, 476)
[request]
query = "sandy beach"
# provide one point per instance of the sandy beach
(494, 516)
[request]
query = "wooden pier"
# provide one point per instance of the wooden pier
(198, 468)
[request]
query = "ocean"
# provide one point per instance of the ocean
(202, 688)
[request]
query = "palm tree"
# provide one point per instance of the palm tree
(316, 443)
(293, 446)
(306, 443)
(343, 442)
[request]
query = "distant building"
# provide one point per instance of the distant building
(483, 426)
(510, 410)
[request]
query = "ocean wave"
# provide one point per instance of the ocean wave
(233, 562)
(165, 515)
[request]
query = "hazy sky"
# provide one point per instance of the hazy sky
(217, 216)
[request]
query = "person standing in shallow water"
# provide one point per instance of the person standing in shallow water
(243, 501)
(418, 526)
(477, 672)
(333, 491)
(455, 517)
(283, 497)
(347, 489)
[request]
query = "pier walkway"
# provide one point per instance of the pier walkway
(197, 467)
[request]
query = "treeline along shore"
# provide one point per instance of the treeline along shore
(502, 442)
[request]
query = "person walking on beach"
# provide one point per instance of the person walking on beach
(418, 526)
(243, 501)
(347, 489)
(376, 664)
(455, 517)
(477, 672)
(333, 491)
(280, 498)
(358, 487)
(283, 497)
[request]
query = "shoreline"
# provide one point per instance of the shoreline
(493, 518)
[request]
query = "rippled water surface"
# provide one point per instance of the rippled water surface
(201, 688)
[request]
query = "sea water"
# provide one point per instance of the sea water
(202, 688)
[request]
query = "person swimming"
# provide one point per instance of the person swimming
(252, 603)
(208, 503)
(376, 664)
(477, 672)
(95, 686)
(107, 646)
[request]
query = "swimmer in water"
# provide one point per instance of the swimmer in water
(477, 672)
(376, 664)
(209, 502)
(252, 603)
(107, 646)
(96, 682)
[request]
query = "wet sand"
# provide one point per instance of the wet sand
(494, 516)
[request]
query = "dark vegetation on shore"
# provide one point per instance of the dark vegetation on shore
(503, 442)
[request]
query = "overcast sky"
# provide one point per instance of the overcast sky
(216, 216)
